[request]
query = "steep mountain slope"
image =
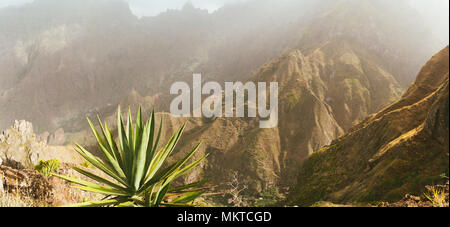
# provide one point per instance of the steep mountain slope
(322, 95)
(332, 76)
(399, 150)
(61, 59)
(54, 55)
(325, 87)
(233, 145)
(342, 71)
(380, 27)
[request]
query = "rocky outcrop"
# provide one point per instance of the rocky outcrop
(57, 138)
(19, 146)
(397, 151)
(20, 151)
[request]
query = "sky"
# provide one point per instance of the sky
(435, 12)
(150, 8)
(154, 7)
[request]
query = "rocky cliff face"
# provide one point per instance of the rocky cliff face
(20, 185)
(323, 94)
(19, 144)
(397, 151)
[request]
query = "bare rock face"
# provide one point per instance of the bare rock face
(20, 151)
(19, 144)
(44, 137)
(21, 148)
(57, 138)
(322, 94)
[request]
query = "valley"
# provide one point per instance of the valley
(362, 94)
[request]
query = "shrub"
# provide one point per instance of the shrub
(48, 167)
(14, 200)
(86, 164)
(436, 196)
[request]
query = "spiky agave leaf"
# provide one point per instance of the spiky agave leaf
(135, 165)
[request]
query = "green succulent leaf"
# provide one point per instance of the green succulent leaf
(88, 186)
(134, 166)
(101, 203)
(187, 197)
(188, 187)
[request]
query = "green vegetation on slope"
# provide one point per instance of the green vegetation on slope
(397, 151)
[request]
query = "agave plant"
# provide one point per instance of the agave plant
(135, 167)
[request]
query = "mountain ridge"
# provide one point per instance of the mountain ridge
(334, 69)
(399, 150)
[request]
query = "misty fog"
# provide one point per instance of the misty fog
(56, 44)
(435, 12)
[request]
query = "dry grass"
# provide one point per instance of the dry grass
(437, 197)
(15, 200)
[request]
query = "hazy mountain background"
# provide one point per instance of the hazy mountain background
(435, 12)
(336, 62)
(103, 40)
(172, 44)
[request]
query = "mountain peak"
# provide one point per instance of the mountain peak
(188, 6)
